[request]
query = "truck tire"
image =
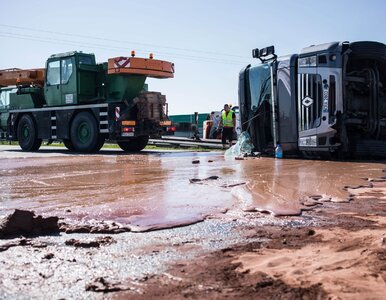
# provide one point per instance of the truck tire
(135, 144)
(100, 144)
(68, 144)
(27, 134)
(84, 133)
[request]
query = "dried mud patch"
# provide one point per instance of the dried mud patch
(23, 222)
(217, 277)
(346, 264)
(101, 241)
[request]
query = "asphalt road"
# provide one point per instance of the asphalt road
(25, 272)
(155, 186)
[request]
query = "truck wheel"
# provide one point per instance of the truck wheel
(135, 144)
(27, 134)
(84, 133)
(100, 144)
(68, 144)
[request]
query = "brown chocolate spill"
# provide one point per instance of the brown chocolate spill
(102, 241)
(150, 188)
(22, 222)
(49, 256)
(280, 186)
(102, 285)
(22, 242)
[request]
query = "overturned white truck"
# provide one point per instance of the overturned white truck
(328, 100)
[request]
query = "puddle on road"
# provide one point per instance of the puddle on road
(153, 190)
(279, 186)
(144, 190)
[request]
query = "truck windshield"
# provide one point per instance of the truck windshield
(259, 85)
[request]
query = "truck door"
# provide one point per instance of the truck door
(87, 74)
(52, 89)
(68, 81)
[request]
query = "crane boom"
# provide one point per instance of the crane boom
(11, 77)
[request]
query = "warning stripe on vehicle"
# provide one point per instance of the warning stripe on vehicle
(117, 113)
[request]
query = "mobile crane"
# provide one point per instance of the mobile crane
(83, 103)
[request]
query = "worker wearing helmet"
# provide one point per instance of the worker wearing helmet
(228, 122)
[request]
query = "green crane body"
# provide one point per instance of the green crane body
(74, 79)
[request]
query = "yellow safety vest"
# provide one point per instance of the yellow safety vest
(227, 120)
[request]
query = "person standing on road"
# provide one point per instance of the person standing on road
(228, 123)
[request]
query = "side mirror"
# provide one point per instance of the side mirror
(255, 53)
(267, 51)
(263, 53)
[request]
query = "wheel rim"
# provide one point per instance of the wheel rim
(84, 132)
(25, 132)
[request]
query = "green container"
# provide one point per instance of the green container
(124, 86)
(176, 119)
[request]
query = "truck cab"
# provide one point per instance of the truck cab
(263, 88)
(72, 78)
(328, 99)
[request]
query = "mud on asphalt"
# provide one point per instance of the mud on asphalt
(332, 250)
(336, 251)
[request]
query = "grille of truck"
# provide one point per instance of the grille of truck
(151, 106)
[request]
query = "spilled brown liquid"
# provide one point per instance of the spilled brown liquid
(155, 191)
(144, 190)
(280, 186)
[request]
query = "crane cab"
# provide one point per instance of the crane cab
(71, 78)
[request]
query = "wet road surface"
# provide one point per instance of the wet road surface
(145, 190)
(280, 186)
(152, 190)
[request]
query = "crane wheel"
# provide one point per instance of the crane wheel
(68, 144)
(27, 134)
(84, 133)
(101, 142)
(134, 144)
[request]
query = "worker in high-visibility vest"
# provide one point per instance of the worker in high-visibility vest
(228, 123)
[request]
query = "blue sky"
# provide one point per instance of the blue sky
(209, 41)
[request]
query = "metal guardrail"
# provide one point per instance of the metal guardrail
(186, 142)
